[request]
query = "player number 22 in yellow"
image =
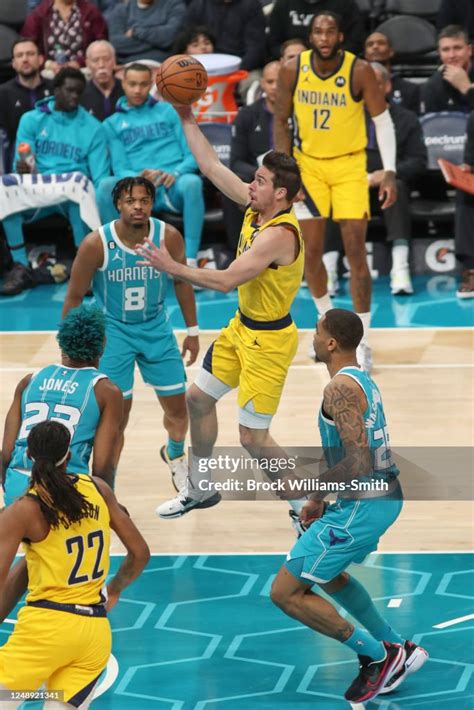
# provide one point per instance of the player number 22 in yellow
(321, 118)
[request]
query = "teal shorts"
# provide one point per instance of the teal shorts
(153, 347)
(347, 532)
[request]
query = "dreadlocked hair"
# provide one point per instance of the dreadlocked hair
(59, 499)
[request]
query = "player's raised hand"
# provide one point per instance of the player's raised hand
(388, 190)
(191, 346)
(157, 257)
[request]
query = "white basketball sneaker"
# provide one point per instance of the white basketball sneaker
(364, 356)
(400, 282)
(183, 503)
(178, 468)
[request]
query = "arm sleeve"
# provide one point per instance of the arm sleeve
(413, 161)
(254, 39)
(239, 149)
(98, 159)
(163, 35)
(386, 141)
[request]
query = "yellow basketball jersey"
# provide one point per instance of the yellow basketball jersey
(71, 564)
(269, 295)
(328, 120)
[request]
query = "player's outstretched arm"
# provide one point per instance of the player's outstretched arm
(88, 259)
(138, 552)
(107, 435)
(284, 107)
(278, 243)
(209, 164)
(184, 294)
(12, 424)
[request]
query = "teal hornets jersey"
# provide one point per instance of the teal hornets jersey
(375, 425)
(66, 395)
(124, 290)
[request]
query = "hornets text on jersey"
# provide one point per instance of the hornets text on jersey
(123, 289)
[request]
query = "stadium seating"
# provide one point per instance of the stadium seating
(13, 12)
(414, 41)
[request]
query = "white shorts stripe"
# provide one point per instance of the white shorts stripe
(167, 388)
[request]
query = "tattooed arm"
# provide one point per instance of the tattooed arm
(345, 402)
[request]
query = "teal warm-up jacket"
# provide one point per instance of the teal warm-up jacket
(63, 141)
(149, 136)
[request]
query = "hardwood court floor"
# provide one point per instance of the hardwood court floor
(425, 376)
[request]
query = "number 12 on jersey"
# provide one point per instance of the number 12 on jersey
(321, 118)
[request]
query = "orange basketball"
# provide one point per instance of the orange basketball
(181, 79)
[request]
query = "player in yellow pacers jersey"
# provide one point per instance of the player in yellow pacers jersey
(62, 638)
(325, 91)
(255, 350)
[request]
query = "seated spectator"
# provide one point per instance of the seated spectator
(63, 138)
(411, 163)
(404, 93)
(237, 25)
(451, 88)
(457, 12)
(463, 235)
(103, 90)
(145, 137)
(145, 29)
(63, 29)
(252, 137)
(22, 92)
(292, 48)
(195, 40)
(291, 18)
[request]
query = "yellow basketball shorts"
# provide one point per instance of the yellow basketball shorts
(255, 361)
(67, 652)
(337, 186)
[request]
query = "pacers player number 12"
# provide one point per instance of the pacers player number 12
(321, 118)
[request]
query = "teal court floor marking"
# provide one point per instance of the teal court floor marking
(434, 303)
(197, 632)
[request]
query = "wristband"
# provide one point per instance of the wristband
(193, 330)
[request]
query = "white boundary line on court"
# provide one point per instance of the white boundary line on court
(181, 331)
(453, 622)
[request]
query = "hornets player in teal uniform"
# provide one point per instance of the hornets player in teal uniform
(355, 442)
(72, 392)
(132, 298)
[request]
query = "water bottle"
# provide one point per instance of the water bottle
(60, 56)
(26, 154)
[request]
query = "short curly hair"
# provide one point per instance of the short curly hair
(81, 335)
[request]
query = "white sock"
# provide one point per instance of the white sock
(330, 259)
(323, 304)
(365, 318)
(399, 257)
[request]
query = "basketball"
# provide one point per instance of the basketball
(181, 79)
